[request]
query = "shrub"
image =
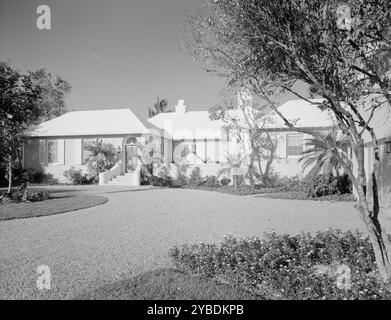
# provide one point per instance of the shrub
(195, 177)
(31, 175)
(326, 185)
(211, 181)
(287, 267)
(164, 181)
(300, 195)
(225, 181)
(34, 176)
(77, 177)
(32, 196)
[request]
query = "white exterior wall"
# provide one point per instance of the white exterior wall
(286, 165)
(72, 156)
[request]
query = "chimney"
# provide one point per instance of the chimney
(180, 107)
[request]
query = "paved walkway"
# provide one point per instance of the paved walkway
(134, 230)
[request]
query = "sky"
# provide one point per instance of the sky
(115, 53)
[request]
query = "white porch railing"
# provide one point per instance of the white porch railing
(115, 171)
(136, 175)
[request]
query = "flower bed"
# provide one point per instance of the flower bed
(288, 267)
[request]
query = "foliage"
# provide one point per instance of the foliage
(245, 122)
(77, 177)
(211, 181)
(234, 167)
(340, 51)
(164, 181)
(25, 100)
(300, 195)
(321, 153)
(225, 181)
(33, 176)
(195, 176)
(160, 106)
(52, 93)
(287, 266)
(31, 196)
(103, 157)
(145, 174)
(327, 184)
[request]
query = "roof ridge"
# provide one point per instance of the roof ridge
(99, 110)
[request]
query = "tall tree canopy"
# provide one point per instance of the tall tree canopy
(340, 49)
(25, 100)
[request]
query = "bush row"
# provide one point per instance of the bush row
(290, 267)
(76, 176)
(33, 176)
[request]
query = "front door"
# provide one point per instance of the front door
(131, 157)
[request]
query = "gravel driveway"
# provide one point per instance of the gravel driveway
(133, 231)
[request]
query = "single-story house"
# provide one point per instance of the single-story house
(62, 143)
(182, 137)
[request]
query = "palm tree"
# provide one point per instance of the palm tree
(103, 156)
(234, 168)
(321, 153)
(160, 106)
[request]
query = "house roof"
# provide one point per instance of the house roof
(188, 125)
(183, 124)
(95, 123)
(302, 113)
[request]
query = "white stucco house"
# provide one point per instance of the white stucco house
(182, 138)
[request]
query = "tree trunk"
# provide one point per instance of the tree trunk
(251, 169)
(9, 176)
(378, 238)
(377, 235)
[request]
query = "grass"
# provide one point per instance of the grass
(57, 204)
(271, 193)
(240, 191)
(168, 284)
(296, 195)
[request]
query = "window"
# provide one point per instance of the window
(41, 156)
(194, 148)
(162, 148)
(55, 151)
(294, 145)
(86, 149)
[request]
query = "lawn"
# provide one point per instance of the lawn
(272, 193)
(58, 203)
(168, 284)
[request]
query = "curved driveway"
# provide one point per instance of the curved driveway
(134, 230)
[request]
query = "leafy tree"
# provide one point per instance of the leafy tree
(340, 49)
(52, 93)
(321, 158)
(245, 121)
(18, 111)
(160, 106)
(24, 102)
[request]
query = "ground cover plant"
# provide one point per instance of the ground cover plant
(30, 196)
(321, 188)
(299, 266)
